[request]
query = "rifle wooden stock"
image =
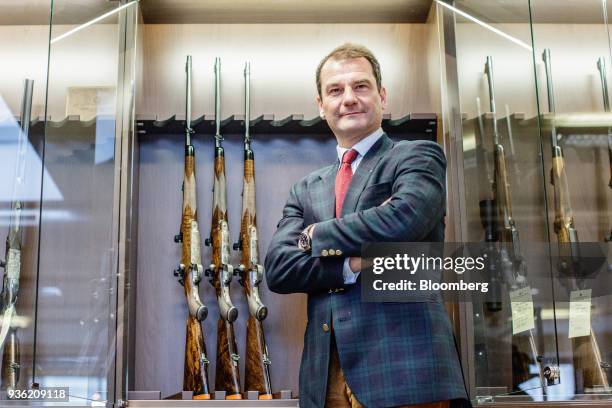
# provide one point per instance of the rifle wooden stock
(511, 261)
(603, 75)
(502, 195)
(11, 361)
(564, 218)
(227, 376)
(257, 364)
(610, 158)
(587, 359)
(586, 355)
(195, 376)
(189, 271)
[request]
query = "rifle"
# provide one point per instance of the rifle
(601, 66)
(511, 261)
(586, 356)
(488, 220)
(257, 365)
(220, 270)
(12, 261)
(189, 271)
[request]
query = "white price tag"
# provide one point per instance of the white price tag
(522, 310)
(13, 263)
(580, 313)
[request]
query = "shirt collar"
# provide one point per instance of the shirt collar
(363, 145)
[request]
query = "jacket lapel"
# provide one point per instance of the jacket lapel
(362, 175)
(323, 196)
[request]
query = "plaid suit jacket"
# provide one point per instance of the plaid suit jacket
(391, 353)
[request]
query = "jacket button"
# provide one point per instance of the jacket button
(325, 327)
(338, 252)
(324, 252)
(332, 252)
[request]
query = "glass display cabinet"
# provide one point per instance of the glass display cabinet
(527, 103)
(92, 127)
(62, 159)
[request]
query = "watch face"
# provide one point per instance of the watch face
(304, 242)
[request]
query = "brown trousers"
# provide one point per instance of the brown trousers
(339, 394)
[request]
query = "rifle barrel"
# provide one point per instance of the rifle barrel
(549, 84)
(188, 130)
(218, 137)
(489, 73)
(26, 106)
(247, 104)
(551, 100)
(601, 66)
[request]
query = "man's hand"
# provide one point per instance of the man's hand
(310, 230)
(354, 261)
(355, 264)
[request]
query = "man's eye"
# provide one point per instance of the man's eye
(361, 86)
(334, 91)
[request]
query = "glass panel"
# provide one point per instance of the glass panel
(24, 39)
(505, 205)
(76, 326)
(572, 54)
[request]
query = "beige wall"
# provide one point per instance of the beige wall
(23, 52)
(284, 58)
(574, 50)
(283, 61)
(87, 58)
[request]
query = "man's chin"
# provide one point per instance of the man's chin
(352, 123)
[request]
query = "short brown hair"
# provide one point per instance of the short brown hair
(349, 51)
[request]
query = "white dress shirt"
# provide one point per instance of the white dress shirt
(362, 148)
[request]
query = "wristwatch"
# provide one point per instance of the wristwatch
(304, 241)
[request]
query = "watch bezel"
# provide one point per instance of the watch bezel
(304, 242)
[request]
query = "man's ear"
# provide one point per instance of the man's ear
(383, 97)
(321, 111)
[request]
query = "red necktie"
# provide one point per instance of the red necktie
(343, 178)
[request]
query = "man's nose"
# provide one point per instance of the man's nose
(349, 96)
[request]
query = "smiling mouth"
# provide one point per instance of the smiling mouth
(352, 113)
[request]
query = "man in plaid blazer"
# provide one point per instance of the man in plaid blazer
(364, 354)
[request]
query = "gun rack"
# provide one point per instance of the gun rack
(411, 127)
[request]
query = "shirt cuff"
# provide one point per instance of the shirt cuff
(349, 276)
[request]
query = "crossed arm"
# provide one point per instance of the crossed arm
(416, 204)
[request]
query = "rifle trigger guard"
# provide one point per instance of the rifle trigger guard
(227, 276)
(197, 273)
(238, 272)
(180, 274)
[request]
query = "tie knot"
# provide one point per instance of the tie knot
(349, 156)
